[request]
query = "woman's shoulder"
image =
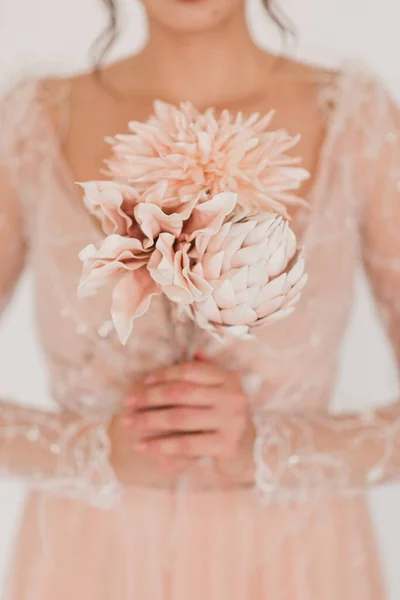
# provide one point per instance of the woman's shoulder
(25, 106)
(348, 77)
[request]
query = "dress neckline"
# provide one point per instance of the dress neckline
(331, 96)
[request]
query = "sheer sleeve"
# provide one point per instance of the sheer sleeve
(316, 451)
(60, 452)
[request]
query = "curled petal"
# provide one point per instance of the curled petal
(131, 298)
(153, 221)
(172, 270)
(108, 262)
(161, 262)
(111, 203)
(208, 217)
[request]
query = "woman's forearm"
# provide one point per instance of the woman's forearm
(60, 452)
(317, 452)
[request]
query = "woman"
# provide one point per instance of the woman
(120, 524)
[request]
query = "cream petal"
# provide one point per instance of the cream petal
(240, 315)
(231, 247)
(247, 256)
(215, 243)
(278, 261)
(257, 273)
(296, 272)
(262, 229)
(224, 295)
(292, 301)
(201, 321)
(275, 238)
(291, 242)
(296, 289)
(212, 265)
(274, 317)
(209, 310)
(270, 306)
(250, 296)
(238, 331)
(275, 287)
(238, 278)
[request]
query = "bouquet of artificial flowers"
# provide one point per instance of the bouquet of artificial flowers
(196, 209)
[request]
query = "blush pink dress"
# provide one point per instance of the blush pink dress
(302, 531)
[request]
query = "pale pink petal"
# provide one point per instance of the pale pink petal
(172, 271)
(108, 262)
(153, 221)
(161, 262)
(209, 216)
(131, 299)
(110, 203)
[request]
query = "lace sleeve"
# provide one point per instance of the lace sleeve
(60, 452)
(317, 452)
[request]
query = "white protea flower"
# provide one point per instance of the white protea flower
(256, 273)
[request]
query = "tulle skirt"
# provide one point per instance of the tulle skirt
(206, 546)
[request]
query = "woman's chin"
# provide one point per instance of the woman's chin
(191, 16)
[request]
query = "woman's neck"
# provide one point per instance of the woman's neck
(208, 68)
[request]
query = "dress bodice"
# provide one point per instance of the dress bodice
(290, 363)
(289, 366)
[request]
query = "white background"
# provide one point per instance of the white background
(46, 36)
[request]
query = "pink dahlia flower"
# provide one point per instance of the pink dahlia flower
(200, 155)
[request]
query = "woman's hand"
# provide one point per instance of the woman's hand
(193, 410)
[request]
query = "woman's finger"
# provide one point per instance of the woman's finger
(176, 418)
(174, 393)
(191, 372)
(190, 445)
